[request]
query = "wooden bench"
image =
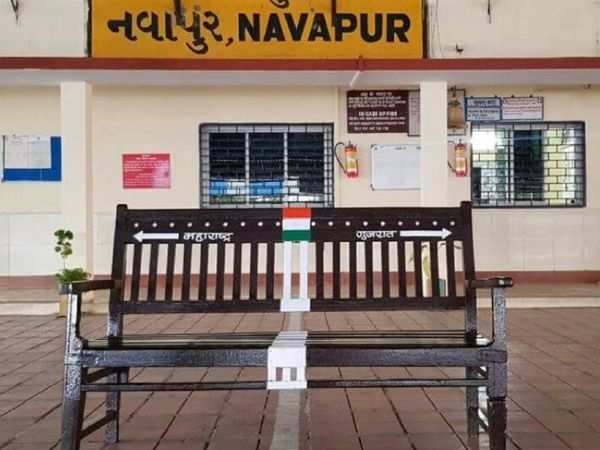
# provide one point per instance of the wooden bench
(221, 261)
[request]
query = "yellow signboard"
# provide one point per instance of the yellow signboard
(255, 29)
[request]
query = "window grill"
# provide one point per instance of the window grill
(540, 164)
(264, 165)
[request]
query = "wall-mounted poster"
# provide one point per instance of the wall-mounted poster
(484, 109)
(523, 108)
(377, 111)
(30, 158)
(147, 171)
(456, 113)
(257, 29)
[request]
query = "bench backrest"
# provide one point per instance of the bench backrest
(218, 260)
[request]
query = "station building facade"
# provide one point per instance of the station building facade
(242, 106)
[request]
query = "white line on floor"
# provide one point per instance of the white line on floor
(286, 431)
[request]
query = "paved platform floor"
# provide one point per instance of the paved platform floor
(554, 389)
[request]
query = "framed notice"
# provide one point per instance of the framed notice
(31, 158)
(395, 167)
(522, 108)
(483, 109)
(377, 111)
(147, 171)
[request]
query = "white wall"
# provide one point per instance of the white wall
(547, 239)
(130, 120)
(532, 239)
(516, 28)
(166, 119)
(154, 120)
(29, 212)
(358, 191)
(30, 111)
(44, 28)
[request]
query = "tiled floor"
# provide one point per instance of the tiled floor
(554, 389)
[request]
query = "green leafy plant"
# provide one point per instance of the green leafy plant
(64, 248)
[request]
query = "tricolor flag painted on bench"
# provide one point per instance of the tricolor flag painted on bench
(296, 224)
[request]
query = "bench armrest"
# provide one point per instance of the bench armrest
(498, 287)
(79, 287)
(74, 341)
(491, 283)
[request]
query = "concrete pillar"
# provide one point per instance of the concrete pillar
(76, 186)
(434, 156)
(434, 143)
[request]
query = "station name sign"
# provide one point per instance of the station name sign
(257, 29)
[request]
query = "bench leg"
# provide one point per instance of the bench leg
(497, 420)
(113, 406)
(472, 397)
(73, 407)
(497, 379)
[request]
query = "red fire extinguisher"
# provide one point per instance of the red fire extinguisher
(350, 168)
(460, 159)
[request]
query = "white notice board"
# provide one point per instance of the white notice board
(395, 167)
(27, 152)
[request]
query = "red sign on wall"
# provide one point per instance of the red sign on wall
(147, 171)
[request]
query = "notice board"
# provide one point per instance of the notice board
(523, 108)
(147, 171)
(377, 111)
(484, 109)
(395, 167)
(31, 158)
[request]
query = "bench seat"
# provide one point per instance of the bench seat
(323, 349)
(365, 339)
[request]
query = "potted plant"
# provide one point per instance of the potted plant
(66, 276)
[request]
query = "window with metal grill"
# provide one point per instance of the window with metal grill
(539, 164)
(261, 165)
